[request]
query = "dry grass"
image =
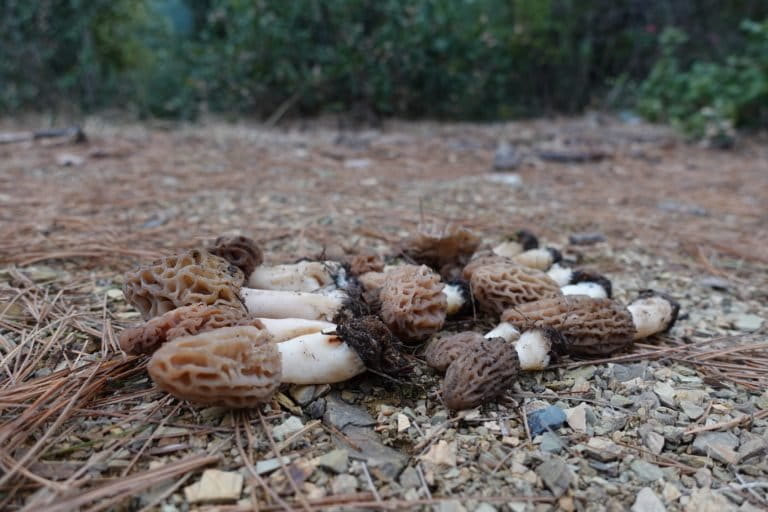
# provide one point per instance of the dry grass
(80, 424)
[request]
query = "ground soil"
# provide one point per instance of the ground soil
(674, 216)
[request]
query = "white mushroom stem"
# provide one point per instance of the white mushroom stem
(650, 315)
(456, 298)
(305, 276)
(533, 349)
(285, 304)
(589, 288)
(508, 249)
(283, 329)
(318, 359)
(504, 330)
(561, 275)
(540, 259)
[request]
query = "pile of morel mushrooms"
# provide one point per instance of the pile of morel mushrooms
(224, 328)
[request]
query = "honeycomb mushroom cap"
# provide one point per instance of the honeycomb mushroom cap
(441, 246)
(480, 374)
(366, 261)
(192, 277)
(239, 251)
(499, 287)
(374, 343)
(233, 366)
(588, 326)
(183, 321)
(481, 261)
(413, 304)
(442, 352)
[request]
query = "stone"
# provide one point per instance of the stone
(577, 417)
(409, 478)
(621, 401)
(720, 446)
(548, 418)
(286, 428)
(441, 453)
(551, 442)
(696, 396)
(403, 423)
(556, 475)
(747, 323)
(451, 506)
(603, 449)
(751, 447)
(335, 460)
(340, 414)
(691, 410)
(624, 373)
(344, 484)
(485, 507)
(506, 157)
(670, 492)
(665, 392)
(715, 282)
(646, 471)
(586, 238)
(215, 486)
(315, 409)
(383, 462)
(703, 477)
(705, 500)
(302, 394)
(654, 442)
(647, 501)
(270, 465)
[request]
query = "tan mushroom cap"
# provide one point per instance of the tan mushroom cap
(480, 374)
(441, 246)
(192, 277)
(481, 261)
(364, 262)
(232, 366)
(239, 251)
(413, 304)
(183, 321)
(498, 287)
(588, 326)
(443, 351)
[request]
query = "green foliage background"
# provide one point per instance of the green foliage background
(457, 59)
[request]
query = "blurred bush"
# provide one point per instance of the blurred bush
(458, 59)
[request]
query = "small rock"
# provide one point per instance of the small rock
(621, 401)
(665, 392)
(586, 238)
(654, 442)
(506, 157)
(577, 417)
(752, 447)
(715, 282)
(705, 500)
(485, 507)
(747, 323)
(691, 410)
(703, 477)
(409, 478)
(403, 423)
(718, 445)
(647, 501)
(646, 471)
(551, 442)
(335, 460)
(556, 475)
(302, 394)
(270, 465)
(215, 486)
(441, 453)
(286, 428)
(451, 506)
(541, 420)
(344, 484)
(624, 373)
(603, 449)
(670, 492)
(695, 396)
(315, 409)
(341, 414)
(69, 160)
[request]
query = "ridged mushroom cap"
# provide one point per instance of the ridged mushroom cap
(443, 351)
(588, 326)
(239, 251)
(366, 261)
(481, 261)
(480, 374)
(192, 277)
(441, 246)
(183, 321)
(233, 366)
(413, 304)
(500, 286)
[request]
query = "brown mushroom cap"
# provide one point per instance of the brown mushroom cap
(441, 246)
(192, 277)
(481, 261)
(442, 352)
(239, 251)
(183, 321)
(499, 287)
(232, 366)
(589, 326)
(378, 348)
(413, 304)
(480, 374)
(364, 262)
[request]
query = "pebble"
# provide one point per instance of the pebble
(691, 410)
(747, 323)
(577, 417)
(646, 471)
(647, 501)
(409, 478)
(343, 484)
(506, 157)
(751, 447)
(665, 392)
(603, 449)
(451, 506)
(341, 414)
(720, 446)
(270, 465)
(705, 500)
(541, 420)
(703, 477)
(215, 486)
(556, 475)
(286, 428)
(586, 238)
(654, 442)
(335, 460)
(302, 394)
(551, 442)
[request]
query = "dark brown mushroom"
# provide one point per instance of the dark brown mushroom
(441, 352)
(442, 248)
(239, 251)
(413, 304)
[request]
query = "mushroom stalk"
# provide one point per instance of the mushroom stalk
(456, 296)
(283, 329)
(532, 346)
(318, 358)
(286, 304)
(304, 276)
(652, 313)
(504, 330)
(588, 288)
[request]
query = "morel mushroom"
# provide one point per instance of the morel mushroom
(480, 374)
(581, 282)
(304, 276)
(499, 287)
(443, 248)
(287, 304)
(523, 241)
(192, 277)
(441, 352)
(239, 251)
(653, 312)
(413, 304)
